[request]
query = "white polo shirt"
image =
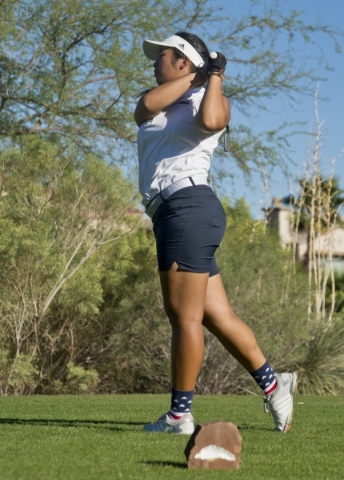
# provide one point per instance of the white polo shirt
(171, 147)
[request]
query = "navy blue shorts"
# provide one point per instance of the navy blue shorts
(188, 227)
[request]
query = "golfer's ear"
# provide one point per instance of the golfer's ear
(185, 63)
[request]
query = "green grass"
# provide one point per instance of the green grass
(100, 437)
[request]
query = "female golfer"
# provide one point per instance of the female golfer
(180, 123)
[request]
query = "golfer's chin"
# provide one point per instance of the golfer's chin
(159, 80)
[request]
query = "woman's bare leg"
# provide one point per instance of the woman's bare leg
(184, 299)
(232, 332)
(188, 299)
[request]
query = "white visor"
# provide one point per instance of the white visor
(151, 49)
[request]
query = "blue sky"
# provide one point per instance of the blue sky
(331, 112)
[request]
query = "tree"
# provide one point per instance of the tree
(75, 67)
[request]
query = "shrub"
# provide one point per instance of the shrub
(321, 371)
(78, 380)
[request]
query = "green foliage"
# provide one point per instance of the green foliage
(18, 375)
(338, 292)
(72, 323)
(80, 302)
(320, 197)
(74, 68)
(321, 371)
(23, 375)
(78, 380)
(83, 293)
(58, 209)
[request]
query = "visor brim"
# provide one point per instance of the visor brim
(151, 49)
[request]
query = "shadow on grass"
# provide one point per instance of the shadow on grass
(254, 427)
(166, 464)
(108, 424)
(113, 425)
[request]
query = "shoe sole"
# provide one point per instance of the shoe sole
(293, 387)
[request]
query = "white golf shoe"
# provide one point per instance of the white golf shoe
(165, 424)
(280, 402)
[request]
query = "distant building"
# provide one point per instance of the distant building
(280, 217)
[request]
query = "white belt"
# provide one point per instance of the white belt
(174, 187)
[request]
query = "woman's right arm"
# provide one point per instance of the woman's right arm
(160, 97)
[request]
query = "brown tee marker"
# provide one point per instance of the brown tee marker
(214, 446)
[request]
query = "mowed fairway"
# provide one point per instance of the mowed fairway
(100, 437)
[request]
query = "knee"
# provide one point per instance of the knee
(180, 317)
(180, 321)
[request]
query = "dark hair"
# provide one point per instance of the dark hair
(196, 42)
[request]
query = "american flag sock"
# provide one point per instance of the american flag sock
(180, 403)
(266, 378)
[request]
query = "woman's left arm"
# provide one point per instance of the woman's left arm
(214, 111)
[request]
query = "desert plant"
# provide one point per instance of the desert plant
(322, 370)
